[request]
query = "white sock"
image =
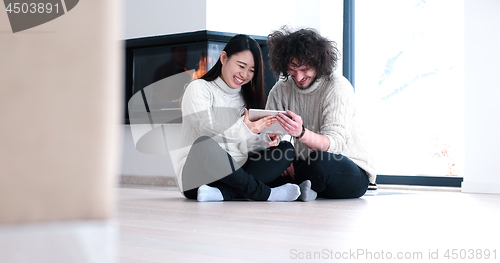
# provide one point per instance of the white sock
(285, 193)
(307, 194)
(209, 194)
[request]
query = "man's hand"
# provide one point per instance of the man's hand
(291, 125)
(275, 139)
(290, 171)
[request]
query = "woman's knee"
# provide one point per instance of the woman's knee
(206, 145)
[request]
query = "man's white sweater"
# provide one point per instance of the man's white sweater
(327, 108)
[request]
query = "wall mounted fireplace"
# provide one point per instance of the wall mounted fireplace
(159, 68)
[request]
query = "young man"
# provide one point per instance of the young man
(332, 160)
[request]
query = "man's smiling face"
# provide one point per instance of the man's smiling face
(303, 75)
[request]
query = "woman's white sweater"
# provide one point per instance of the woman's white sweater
(213, 109)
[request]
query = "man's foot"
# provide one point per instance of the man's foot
(209, 194)
(307, 194)
(285, 193)
(372, 186)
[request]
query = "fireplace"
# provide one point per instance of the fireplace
(159, 68)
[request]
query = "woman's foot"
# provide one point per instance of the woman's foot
(285, 193)
(209, 194)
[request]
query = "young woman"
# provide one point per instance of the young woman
(223, 155)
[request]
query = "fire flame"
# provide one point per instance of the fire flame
(202, 67)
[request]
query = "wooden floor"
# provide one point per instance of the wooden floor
(160, 225)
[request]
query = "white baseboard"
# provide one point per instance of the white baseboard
(74, 241)
(480, 187)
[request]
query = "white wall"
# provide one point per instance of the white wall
(482, 92)
(145, 18)
(160, 17)
(137, 163)
(261, 17)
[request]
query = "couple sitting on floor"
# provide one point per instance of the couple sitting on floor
(225, 155)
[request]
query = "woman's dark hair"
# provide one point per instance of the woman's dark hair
(253, 91)
(306, 46)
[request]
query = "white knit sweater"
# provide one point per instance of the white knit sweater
(212, 108)
(327, 108)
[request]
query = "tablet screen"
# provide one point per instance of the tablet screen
(255, 114)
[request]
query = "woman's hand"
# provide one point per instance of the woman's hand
(291, 125)
(257, 126)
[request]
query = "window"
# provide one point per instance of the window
(410, 86)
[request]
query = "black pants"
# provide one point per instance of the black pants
(332, 175)
(207, 163)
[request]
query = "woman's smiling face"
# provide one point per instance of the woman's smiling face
(238, 69)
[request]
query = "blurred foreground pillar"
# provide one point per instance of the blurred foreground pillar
(60, 109)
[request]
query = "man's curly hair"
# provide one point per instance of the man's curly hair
(306, 46)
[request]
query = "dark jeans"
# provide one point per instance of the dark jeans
(332, 175)
(207, 163)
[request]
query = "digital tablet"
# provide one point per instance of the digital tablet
(255, 114)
